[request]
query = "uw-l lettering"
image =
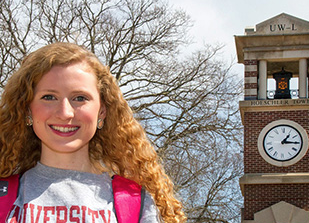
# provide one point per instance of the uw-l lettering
(281, 27)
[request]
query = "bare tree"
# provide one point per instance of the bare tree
(187, 103)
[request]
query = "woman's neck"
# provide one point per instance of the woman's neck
(79, 161)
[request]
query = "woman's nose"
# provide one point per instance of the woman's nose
(65, 110)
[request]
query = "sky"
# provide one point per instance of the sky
(218, 21)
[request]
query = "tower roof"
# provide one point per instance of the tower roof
(279, 34)
(281, 24)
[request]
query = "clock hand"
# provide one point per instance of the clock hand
(284, 140)
(289, 142)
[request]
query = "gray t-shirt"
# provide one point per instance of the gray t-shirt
(49, 194)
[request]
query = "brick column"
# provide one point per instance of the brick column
(262, 80)
(251, 74)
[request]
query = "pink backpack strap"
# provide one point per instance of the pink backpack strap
(128, 199)
(8, 194)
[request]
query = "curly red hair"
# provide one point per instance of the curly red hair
(120, 147)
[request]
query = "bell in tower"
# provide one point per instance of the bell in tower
(282, 84)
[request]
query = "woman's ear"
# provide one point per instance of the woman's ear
(29, 120)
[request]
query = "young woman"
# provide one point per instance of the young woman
(66, 128)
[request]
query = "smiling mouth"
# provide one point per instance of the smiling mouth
(64, 129)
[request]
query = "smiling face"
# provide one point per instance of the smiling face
(65, 110)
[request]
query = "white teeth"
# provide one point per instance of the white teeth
(64, 129)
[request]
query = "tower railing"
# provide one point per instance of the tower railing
(293, 92)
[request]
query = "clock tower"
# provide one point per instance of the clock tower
(275, 116)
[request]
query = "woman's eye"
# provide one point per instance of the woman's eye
(48, 97)
(80, 98)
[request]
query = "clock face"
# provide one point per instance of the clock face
(282, 142)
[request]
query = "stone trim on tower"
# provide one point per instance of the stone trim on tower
(281, 212)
